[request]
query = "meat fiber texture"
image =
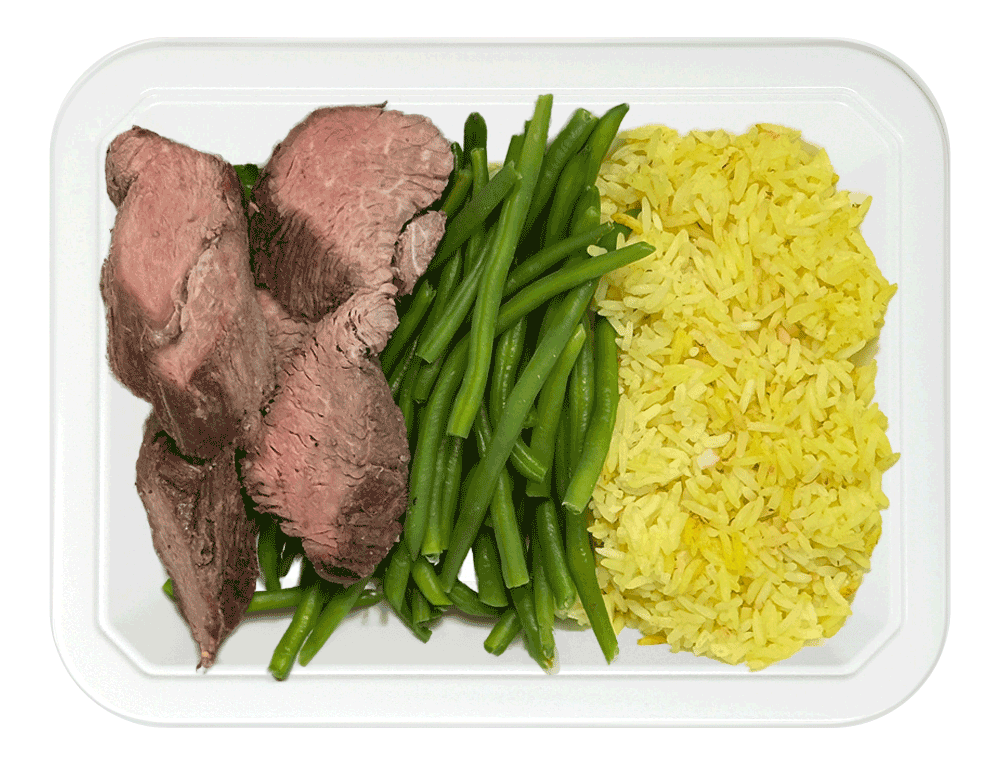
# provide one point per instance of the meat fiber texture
(335, 203)
(201, 533)
(340, 229)
(185, 329)
(331, 463)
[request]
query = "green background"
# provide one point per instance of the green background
(47, 48)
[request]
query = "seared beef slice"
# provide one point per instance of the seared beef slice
(185, 330)
(333, 201)
(201, 533)
(331, 460)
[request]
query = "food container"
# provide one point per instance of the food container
(127, 647)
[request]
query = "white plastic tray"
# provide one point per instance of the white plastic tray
(126, 646)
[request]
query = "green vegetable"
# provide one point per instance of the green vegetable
(550, 541)
(567, 192)
(566, 145)
(601, 425)
(267, 554)
(475, 212)
(427, 581)
(423, 297)
(600, 140)
(337, 608)
(489, 578)
(466, 600)
(550, 407)
(537, 264)
(504, 632)
(484, 313)
(474, 133)
(580, 558)
(453, 199)
(508, 428)
(510, 542)
(303, 621)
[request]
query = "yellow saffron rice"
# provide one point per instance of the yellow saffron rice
(740, 502)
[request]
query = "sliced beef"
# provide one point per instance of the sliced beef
(333, 200)
(416, 247)
(331, 460)
(185, 329)
(202, 534)
(285, 333)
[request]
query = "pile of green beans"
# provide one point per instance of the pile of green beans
(497, 340)
(509, 358)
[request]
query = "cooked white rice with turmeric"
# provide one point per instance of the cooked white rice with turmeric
(740, 501)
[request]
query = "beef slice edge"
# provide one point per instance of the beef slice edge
(202, 534)
(185, 329)
(333, 200)
(331, 461)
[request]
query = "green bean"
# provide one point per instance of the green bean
(450, 487)
(247, 174)
(405, 399)
(587, 210)
(397, 575)
(423, 383)
(405, 615)
(566, 145)
(504, 632)
(432, 416)
(303, 621)
(550, 407)
(532, 419)
(408, 325)
(484, 313)
(508, 428)
(525, 461)
(451, 276)
(571, 182)
(480, 178)
(435, 340)
(474, 133)
(336, 609)
(261, 601)
(600, 140)
(602, 422)
(514, 147)
(453, 200)
(476, 211)
(431, 429)
(537, 264)
(432, 545)
(550, 541)
(420, 609)
(427, 581)
(457, 158)
(580, 397)
(282, 599)
(489, 578)
(267, 554)
(291, 548)
(524, 603)
(506, 360)
(402, 368)
(560, 460)
(545, 606)
(580, 558)
(544, 289)
(510, 542)
(467, 601)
